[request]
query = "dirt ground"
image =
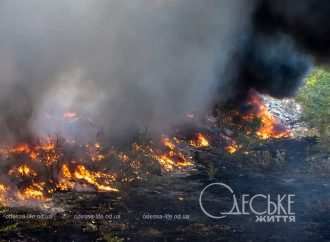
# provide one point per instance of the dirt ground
(166, 207)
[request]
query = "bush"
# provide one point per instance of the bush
(315, 100)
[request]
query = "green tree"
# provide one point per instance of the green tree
(315, 100)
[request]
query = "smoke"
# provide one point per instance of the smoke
(305, 21)
(119, 64)
(123, 65)
(272, 64)
(287, 39)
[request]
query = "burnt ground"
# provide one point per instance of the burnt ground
(273, 167)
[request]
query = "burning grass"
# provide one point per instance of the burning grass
(35, 170)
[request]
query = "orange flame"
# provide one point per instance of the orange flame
(270, 126)
(92, 177)
(101, 181)
(174, 158)
(22, 170)
(64, 172)
(200, 141)
(3, 191)
(232, 148)
(45, 150)
(169, 160)
(33, 192)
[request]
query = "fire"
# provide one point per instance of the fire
(3, 188)
(173, 158)
(200, 141)
(41, 167)
(65, 182)
(45, 166)
(95, 152)
(170, 158)
(44, 150)
(167, 142)
(70, 115)
(22, 170)
(3, 191)
(33, 192)
(21, 148)
(232, 148)
(65, 171)
(166, 161)
(47, 155)
(91, 177)
(270, 126)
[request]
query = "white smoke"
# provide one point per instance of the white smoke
(124, 63)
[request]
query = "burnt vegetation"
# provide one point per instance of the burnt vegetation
(244, 145)
(254, 138)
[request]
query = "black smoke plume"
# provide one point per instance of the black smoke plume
(287, 38)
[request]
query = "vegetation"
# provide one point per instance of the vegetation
(315, 100)
(110, 237)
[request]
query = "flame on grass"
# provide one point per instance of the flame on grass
(169, 156)
(100, 180)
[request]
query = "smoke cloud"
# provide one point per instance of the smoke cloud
(287, 39)
(305, 21)
(123, 65)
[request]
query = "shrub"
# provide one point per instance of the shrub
(315, 100)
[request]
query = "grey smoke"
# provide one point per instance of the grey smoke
(124, 64)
